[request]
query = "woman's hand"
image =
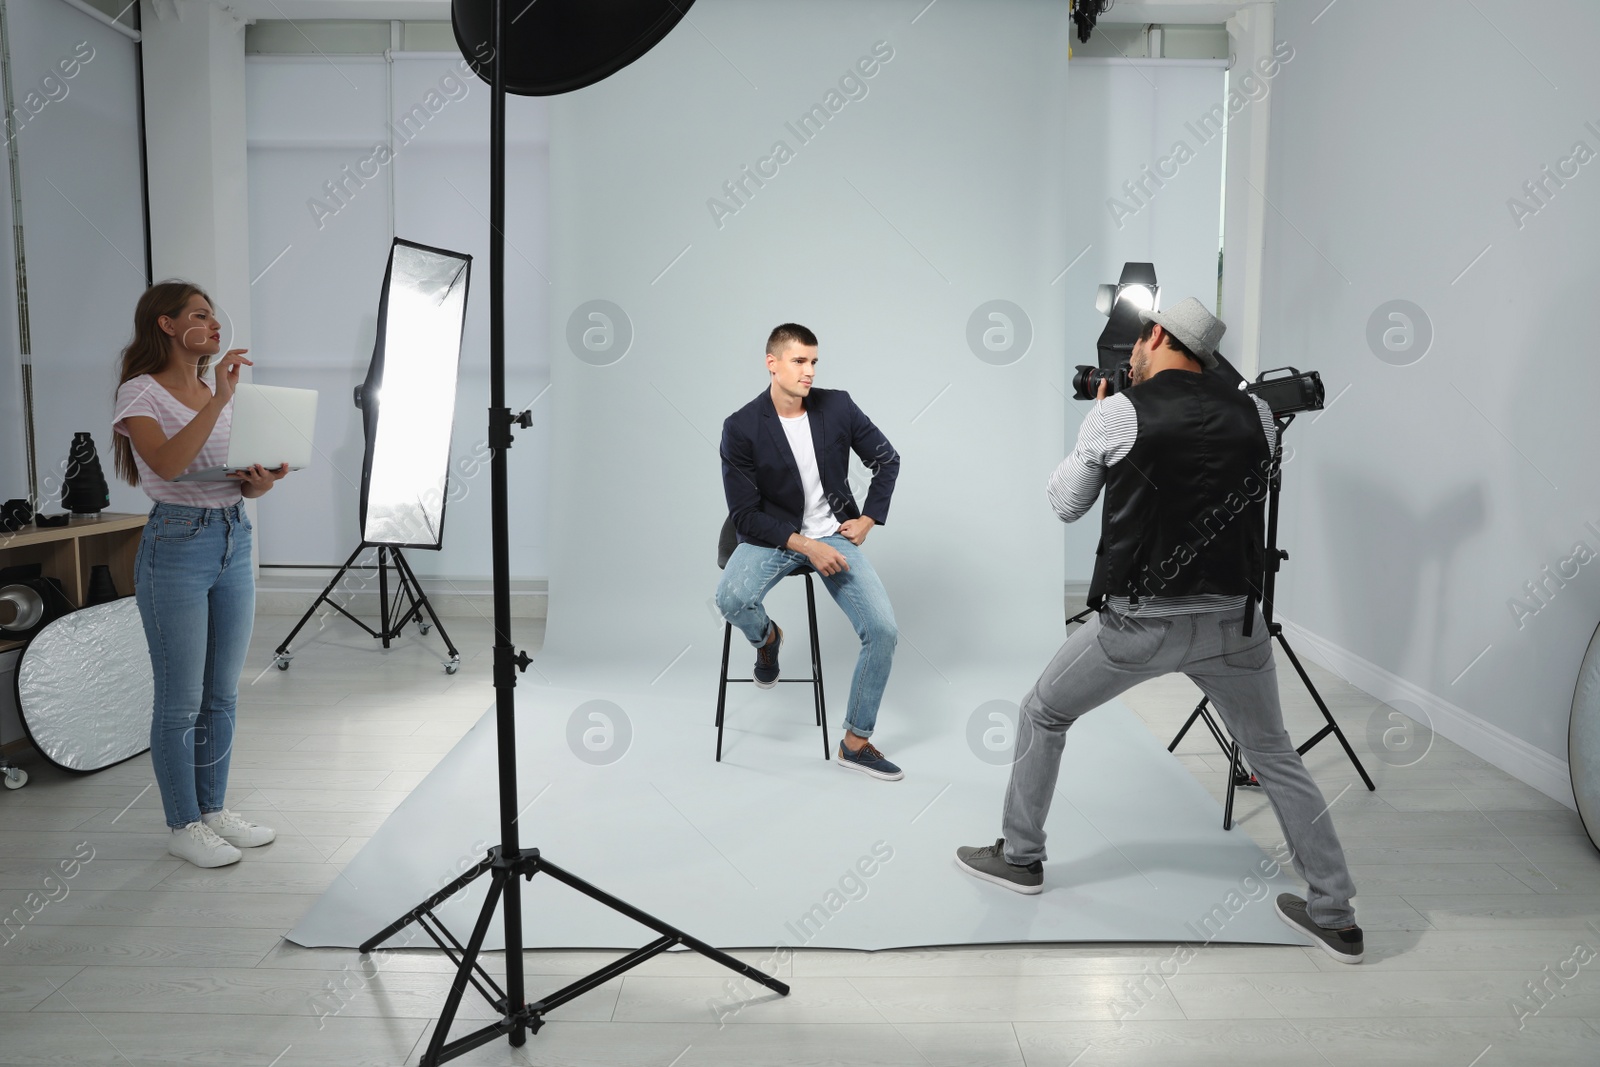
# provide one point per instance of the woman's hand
(258, 479)
(227, 374)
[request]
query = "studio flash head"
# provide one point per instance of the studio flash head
(1120, 303)
(1289, 394)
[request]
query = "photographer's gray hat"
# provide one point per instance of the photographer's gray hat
(1190, 322)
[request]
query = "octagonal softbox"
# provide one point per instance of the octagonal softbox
(556, 46)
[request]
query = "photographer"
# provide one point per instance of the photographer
(1183, 458)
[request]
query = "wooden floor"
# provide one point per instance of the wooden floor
(1474, 889)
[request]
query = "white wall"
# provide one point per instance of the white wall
(83, 223)
(1421, 502)
(315, 308)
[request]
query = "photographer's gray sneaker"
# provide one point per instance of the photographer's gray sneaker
(1343, 945)
(989, 863)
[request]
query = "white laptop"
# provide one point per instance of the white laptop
(271, 425)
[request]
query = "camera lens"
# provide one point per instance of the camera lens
(1086, 382)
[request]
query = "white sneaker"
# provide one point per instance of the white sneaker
(237, 831)
(201, 847)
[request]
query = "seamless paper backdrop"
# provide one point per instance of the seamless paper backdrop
(918, 178)
(925, 190)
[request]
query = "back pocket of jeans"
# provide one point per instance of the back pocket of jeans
(1250, 653)
(1129, 641)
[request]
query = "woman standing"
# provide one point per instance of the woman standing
(193, 577)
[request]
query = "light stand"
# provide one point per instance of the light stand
(1275, 557)
(405, 465)
(392, 619)
(508, 863)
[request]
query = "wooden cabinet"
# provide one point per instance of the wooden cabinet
(68, 553)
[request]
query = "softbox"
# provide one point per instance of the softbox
(556, 46)
(408, 400)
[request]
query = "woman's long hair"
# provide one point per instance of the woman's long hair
(147, 353)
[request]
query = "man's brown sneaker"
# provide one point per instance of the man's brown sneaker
(766, 668)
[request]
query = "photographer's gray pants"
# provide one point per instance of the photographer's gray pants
(1111, 653)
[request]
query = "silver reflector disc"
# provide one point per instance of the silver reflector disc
(85, 689)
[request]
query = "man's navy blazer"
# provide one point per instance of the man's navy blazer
(762, 481)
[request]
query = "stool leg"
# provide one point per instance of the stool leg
(816, 668)
(722, 686)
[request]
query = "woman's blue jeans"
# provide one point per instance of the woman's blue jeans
(197, 597)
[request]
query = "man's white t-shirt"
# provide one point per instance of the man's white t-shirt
(818, 520)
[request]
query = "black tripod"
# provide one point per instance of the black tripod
(507, 863)
(392, 619)
(1237, 774)
(1275, 557)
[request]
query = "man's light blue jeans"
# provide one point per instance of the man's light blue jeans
(753, 570)
(197, 597)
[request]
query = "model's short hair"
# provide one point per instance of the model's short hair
(787, 334)
(1172, 342)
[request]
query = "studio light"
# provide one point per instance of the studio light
(1138, 295)
(1120, 303)
(408, 408)
(1085, 13)
(408, 401)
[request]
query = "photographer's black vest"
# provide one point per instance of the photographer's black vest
(1184, 510)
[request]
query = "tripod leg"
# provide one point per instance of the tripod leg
(383, 595)
(284, 647)
(1216, 731)
(1199, 708)
(1229, 748)
(1332, 727)
(442, 895)
(422, 602)
(1233, 775)
(452, 1003)
(755, 974)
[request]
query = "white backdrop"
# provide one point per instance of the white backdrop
(83, 222)
(315, 308)
(936, 190)
(1127, 115)
(933, 189)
